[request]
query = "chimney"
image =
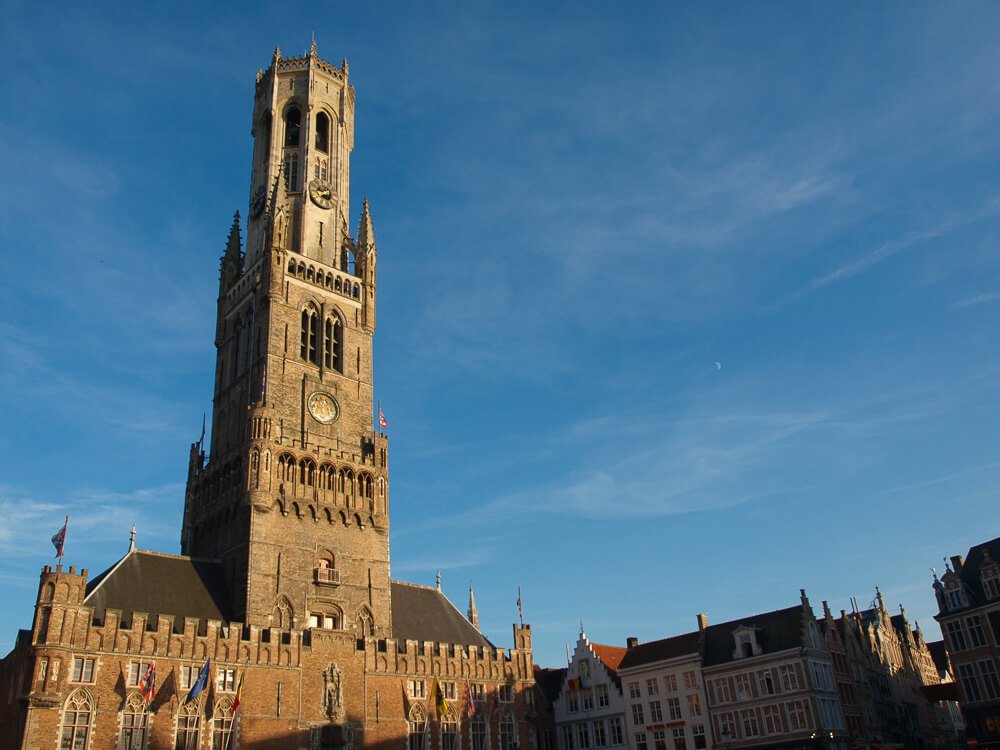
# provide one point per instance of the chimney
(631, 642)
(702, 621)
(956, 563)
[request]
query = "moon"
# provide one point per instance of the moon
(718, 365)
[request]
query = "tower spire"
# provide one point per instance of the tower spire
(366, 232)
(473, 612)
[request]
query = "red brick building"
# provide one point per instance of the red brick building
(284, 582)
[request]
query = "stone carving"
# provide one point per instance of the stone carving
(333, 693)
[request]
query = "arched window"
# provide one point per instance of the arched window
(293, 124)
(188, 727)
(508, 732)
(449, 730)
(365, 624)
(77, 716)
(310, 332)
(222, 724)
(416, 728)
(333, 344)
(281, 616)
(135, 723)
(480, 730)
(323, 133)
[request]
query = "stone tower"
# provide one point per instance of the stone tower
(294, 497)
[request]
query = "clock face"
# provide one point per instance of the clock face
(321, 193)
(323, 407)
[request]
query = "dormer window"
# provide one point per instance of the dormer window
(954, 593)
(990, 574)
(746, 643)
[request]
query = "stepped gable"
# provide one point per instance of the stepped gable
(422, 613)
(161, 584)
(661, 650)
(776, 631)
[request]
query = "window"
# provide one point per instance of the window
(989, 672)
(323, 133)
(602, 696)
(694, 705)
(956, 635)
(588, 699)
(698, 732)
(637, 717)
(772, 720)
(416, 726)
(743, 687)
(449, 691)
(976, 634)
(633, 690)
(749, 721)
(573, 701)
(225, 680)
(723, 695)
(567, 738)
(136, 670)
(222, 724)
(659, 739)
(969, 685)
(291, 172)
(671, 681)
(76, 721)
(585, 669)
(449, 727)
(617, 736)
(333, 344)
(991, 581)
(506, 693)
(293, 126)
(600, 734)
(690, 679)
(727, 726)
(789, 677)
(134, 724)
(418, 689)
(83, 670)
(507, 733)
(652, 687)
(674, 707)
(583, 734)
(188, 675)
(680, 743)
(310, 331)
(765, 683)
(796, 711)
(188, 727)
(655, 712)
(640, 741)
(481, 732)
(478, 691)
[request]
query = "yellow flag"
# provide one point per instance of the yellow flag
(439, 701)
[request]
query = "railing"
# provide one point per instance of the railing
(327, 575)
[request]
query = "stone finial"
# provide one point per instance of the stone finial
(277, 53)
(438, 581)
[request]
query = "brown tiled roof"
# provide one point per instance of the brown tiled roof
(661, 650)
(421, 613)
(162, 584)
(610, 656)
(776, 631)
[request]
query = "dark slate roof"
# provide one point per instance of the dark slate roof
(666, 648)
(550, 682)
(776, 631)
(940, 656)
(970, 575)
(162, 585)
(421, 613)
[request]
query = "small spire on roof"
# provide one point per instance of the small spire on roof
(277, 53)
(473, 612)
(131, 540)
(343, 67)
(439, 580)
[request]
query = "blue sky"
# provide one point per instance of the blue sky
(682, 307)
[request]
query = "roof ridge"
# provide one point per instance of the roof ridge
(738, 620)
(177, 557)
(101, 578)
(416, 586)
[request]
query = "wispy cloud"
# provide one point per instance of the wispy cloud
(979, 299)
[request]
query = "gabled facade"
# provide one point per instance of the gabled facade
(283, 585)
(589, 712)
(664, 694)
(968, 598)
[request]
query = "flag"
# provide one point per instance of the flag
(200, 684)
(147, 685)
(437, 693)
(470, 706)
(59, 539)
(382, 421)
(239, 695)
(520, 612)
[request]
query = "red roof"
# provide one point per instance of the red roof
(610, 656)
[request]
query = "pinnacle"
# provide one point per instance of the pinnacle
(366, 232)
(312, 49)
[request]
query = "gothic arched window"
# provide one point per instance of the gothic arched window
(188, 727)
(222, 724)
(333, 344)
(449, 730)
(135, 722)
(293, 125)
(480, 730)
(323, 133)
(508, 732)
(416, 728)
(310, 332)
(77, 717)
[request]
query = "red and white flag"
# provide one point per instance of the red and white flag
(382, 421)
(470, 706)
(147, 685)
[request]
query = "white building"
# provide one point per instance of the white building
(589, 712)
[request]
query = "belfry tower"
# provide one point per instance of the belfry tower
(294, 497)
